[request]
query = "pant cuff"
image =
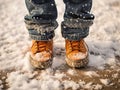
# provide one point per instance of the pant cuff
(42, 37)
(75, 29)
(41, 32)
(74, 33)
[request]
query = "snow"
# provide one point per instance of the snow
(40, 56)
(45, 81)
(91, 73)
(70, 84)
(115, 75)
(97, 61)
(105, 81)
(71, 72)
(98, 87)
(103, 43)
(26, 66)
(0, 82)
(90, 85)
(1, 86)
(119, 81)
(80, 55)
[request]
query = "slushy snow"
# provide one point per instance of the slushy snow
(105, 81)
(1, 86)
(103, 43)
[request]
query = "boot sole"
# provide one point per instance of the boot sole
(77, 64)
(40, 65)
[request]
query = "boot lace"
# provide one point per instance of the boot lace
(39, 46)
(78, 45)
(75, 45)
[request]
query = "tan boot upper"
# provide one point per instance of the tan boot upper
(76, 50)
(42, 50)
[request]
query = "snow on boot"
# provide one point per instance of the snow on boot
(76, 53)
(41, 54)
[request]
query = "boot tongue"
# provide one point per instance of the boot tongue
(75, 45)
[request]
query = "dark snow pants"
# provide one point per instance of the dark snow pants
(41, 21)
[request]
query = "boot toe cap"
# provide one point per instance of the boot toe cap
(77, 56)
(42, 56)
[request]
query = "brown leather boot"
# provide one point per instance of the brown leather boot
(76, 53)
(41, 54)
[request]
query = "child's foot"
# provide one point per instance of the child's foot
(41, 54)
(76, 53)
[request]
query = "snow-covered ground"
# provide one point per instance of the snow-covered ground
(103, 42)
